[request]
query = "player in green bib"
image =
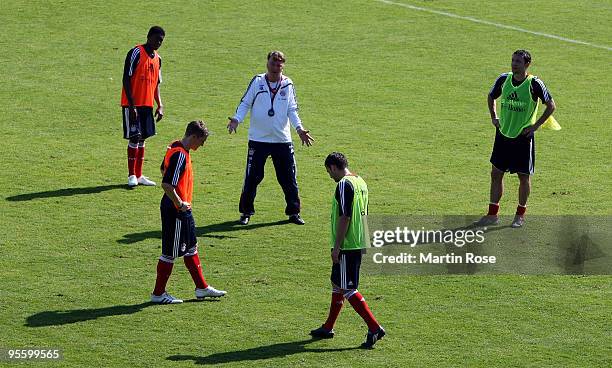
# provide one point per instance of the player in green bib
(514, 147)
(349, 239)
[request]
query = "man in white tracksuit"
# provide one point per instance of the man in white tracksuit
(271, 98)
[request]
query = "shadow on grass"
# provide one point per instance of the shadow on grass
(67, 192)
(262, 352)
(202, 231)
(66, 317)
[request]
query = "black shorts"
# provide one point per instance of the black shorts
(345, 274)
(178, 233)
(516, 155)
(143, 127)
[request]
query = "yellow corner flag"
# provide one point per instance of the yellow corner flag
(551, 123)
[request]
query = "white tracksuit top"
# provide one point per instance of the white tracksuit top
(257, 98)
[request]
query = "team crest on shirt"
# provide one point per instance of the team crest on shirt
(183, 247)
(283, 93)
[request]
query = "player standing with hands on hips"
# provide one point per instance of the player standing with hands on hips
(514, 147)
(141, 79)
(273, 103)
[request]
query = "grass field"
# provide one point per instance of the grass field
(402, 92)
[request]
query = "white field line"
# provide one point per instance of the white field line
(498, 25)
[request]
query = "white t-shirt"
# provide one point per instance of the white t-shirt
(257, 98)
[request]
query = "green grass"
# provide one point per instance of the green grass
(401, 92)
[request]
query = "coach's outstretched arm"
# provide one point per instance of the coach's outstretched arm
(243, 108)
(294, 119)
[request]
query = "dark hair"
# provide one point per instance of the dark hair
(337, 159)
(525, 54)
(198, 128)
(156, 30)
(276, 54)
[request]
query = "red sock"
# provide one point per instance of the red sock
(520, 210)
(131, 153)
(337, 300)
(493, 209)
(139, 161)
(195, 269)
(164, 269)
(361, 307)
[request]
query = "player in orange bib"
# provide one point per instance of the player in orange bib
(178, 227)
(141, 79)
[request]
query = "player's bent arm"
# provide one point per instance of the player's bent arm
(550, 108)
(171, 193)
(493, 111)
